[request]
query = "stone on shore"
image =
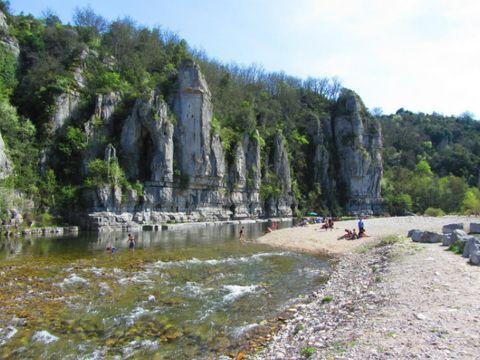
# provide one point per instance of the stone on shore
(452, 238)
(447, 229)
(428, 237)
(472, 245)
(475, 254)
(475, 228)
(415, 234)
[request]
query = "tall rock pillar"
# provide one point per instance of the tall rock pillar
(359, 145)
(193, 109)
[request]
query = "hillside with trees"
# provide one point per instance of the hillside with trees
(430, 162)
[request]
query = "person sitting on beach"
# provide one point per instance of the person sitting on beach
(362, 234)
(330, 224)
(354, 234)
(347, 235)
(269, 230)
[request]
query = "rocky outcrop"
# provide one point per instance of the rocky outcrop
(193, 110)
(281, 204)
(8, 41)
(450, 228)
(66, 104)
(358, 142)
(5, 163)
(322, 160)
(100, 127)
(147, 141)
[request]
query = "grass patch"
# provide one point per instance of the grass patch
(388, 240)
(308, 352)
(327, 299)
(455, 249)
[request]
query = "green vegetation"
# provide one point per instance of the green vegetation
(430, 163)
(430, 160)
(327, 299)
(308, 352)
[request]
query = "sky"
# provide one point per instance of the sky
(422, 55)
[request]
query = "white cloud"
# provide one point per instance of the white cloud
(418, 54)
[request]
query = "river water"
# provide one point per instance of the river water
(183, 294)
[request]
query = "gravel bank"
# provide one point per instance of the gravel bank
(397, 301)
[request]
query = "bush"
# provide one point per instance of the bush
(308, 351)
(434, 212)
(399, 204)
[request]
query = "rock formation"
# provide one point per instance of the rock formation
(9, 42)
(66, 104)
(181, 163)
(5, 163)
(171, 149)
(193, 109)
(147, 141)
(359, 144)
(100, 127)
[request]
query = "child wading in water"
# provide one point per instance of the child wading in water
(242, 234)
(131, 242)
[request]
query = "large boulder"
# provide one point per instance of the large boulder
(475, 228)
(415, 234)
(475, 254)
(447, 240)
(471, 245)
(429, 237)
(447, 229)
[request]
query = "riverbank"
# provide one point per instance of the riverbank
(313, 239)
(388, 300)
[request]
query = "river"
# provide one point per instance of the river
(182, 294)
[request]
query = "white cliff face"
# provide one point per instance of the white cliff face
(147, 141)
(253, 161)
(9, 42)
(201, 185)
(5, 163)
(281, 168)
(193, 109)
(100, 126)
(358, 142)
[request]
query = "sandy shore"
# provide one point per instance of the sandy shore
(391, 300)
(315, 240)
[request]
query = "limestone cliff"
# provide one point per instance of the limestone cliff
(181, 163)
(147, 141)
(100, 127)
(5, 163)
(67, 103)
(283, 204)
(193, 109)
(359, 145)
(8, 41)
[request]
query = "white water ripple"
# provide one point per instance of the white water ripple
(213, 262)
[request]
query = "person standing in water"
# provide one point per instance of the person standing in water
(242, 234)
(131, 242)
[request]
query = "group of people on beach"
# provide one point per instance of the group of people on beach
(328, 224)
(352, 234)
